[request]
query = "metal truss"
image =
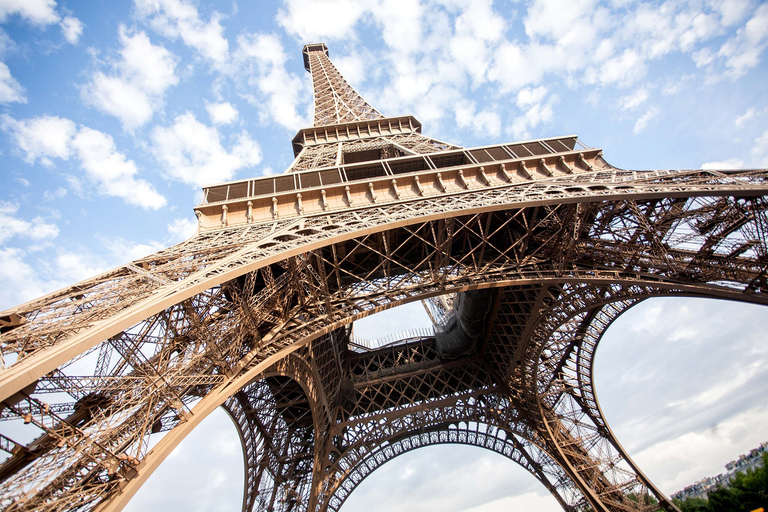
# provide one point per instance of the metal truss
(253, 314)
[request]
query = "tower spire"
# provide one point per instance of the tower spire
(335, 100)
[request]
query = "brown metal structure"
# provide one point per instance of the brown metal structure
(524, 254)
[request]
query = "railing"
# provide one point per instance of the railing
(359, 344)
(281, 183)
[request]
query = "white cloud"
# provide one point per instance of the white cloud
(485, 123)
(122, 250)
(140, 78)
(559, 19)
(19, 281)
(113, 172)
(24, 277)
(39, 12)
(531, 96)
(742, 52)
(732, 163)
(537, 110)
(76, 266)
(263, 60)
(746, 116)
(180, 19)
(733, 11)
(760, 150)
(36, 229)
(46, 137)
(72, 28)
(59, 193)
(313, 20)
(222, 113)
(622, 70)
(635, 99)
(11, 90)
(181, 229)
(41, 138)
(193, 153)
(526, 501)
(354, 67)
(643, 121)
(677, 462)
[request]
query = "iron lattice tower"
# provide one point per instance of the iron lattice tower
(524, 254)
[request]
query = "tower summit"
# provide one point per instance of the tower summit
(523, 253)
(336, 101)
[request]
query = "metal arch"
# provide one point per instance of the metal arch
(565, 392)
(539, 278)
(572, 325)
(578, 377)
(282, 262)
(519, 450)
(90, 312)
(255, 417)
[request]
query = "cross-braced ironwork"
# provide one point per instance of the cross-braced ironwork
(524, 253)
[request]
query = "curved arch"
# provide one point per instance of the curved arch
(487, 418)
(519, 450)
(564, 387)
(310, 309)
(218, 395)
(262, 245)
(261, 420)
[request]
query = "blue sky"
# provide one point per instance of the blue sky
(113, 114)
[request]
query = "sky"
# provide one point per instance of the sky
(114, 114)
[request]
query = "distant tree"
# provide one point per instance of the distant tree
(693, 505)
(747, 491)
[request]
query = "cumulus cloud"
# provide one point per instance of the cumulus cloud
(41, 138)
(19, 280)
(576, 42)
(181, 229)
(180, 19)
(113, 172)
(42, 13)
(263, 59)
(760, 150)
(26, 274)
(222, 113)
(635, 99)
(311, 20)
(742, 52)
(134, 90)
(47, 137)
(643, 121)
(72, 28)
(38, 12)
(11, 90)
(192, 152)
(537, 109)
(731, 163)
(485, 123)
(36, 229)
(746, 116)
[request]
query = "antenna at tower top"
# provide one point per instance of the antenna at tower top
(336, 101)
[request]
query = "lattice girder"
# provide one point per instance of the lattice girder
(233, 332)
(335, 100)
(254, 313)
(123, 297)
(481, 418)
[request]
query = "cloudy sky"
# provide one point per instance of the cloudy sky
(113, 114)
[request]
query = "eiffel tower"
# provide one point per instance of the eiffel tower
(523, 254)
